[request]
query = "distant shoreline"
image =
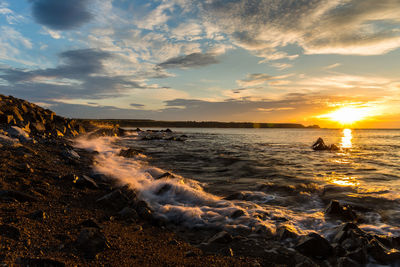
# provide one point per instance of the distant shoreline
(195, 124)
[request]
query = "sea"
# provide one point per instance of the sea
(252, 179)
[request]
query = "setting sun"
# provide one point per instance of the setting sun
(348, 115)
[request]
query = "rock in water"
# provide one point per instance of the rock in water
(344, 212)
(319, 145)
(315, 246)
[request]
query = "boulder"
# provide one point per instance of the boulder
(320, 145)
(315, 246)
(85, 182)
(115, 200)
(128, 213)
(343, 212)
(91, 242)
(129, 153)
(237, 214)
(17, 132)
(382, 254)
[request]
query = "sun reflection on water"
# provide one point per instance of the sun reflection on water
(346, 138)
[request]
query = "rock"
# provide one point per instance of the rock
(115, 200)
(19, 196)
(381, 254)
(237, 214)
(128, 213)
(190, 254)
(168, 130)
(10, 232)
(38, 262)
(222, 237)
(235, 196)
(285, 232)
(85, 182)
(320, 145)
(163, 189)
(165, 175)
(359, 255)
(37, 215)
(315, 246)
(347, 262)
(17, 132)
(129, 153)
(343, 212)
(143, 210)
(70, 154)
(91, 242)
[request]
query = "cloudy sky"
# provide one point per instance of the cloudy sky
(226, 60)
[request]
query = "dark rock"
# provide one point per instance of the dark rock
(163, 189)
(343, 212)
(19, 196)
(168, 130)
(173, 242)
(226, 251)
(235, 196)
(320, 145)
(284, 232)
(347, 262)
(237, 214)
(38, 262)
(381, 254)
(10, 232)
(315, 246)
(85, 182)
(91, 242)
(359, 255)
(89, 223)
(129, 153)
(165, 175)
(115, 200)
(128, 213)
(37, 215)
(222, 237)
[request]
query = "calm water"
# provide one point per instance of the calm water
(281, 179)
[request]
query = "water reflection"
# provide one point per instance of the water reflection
(346, 138)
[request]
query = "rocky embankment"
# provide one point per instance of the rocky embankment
(54, 211)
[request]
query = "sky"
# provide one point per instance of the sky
(297, 61)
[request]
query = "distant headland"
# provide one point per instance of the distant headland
(194, 124)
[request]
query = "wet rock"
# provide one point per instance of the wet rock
(129, 153)
(344, 230)
(285, 232)
(315, 246)
(91, 242)
(165, 188)
(222, 237)
(143, 210)
(37, 215)
(235, 196)
(320, 145)
(343, 212)
(190, 254)
(381, 254)
(347, 262)
(168, 130)
(85, 182)
(359, 255)
(165, 175)
(19, 196)
(237, 214)
(10, 232)
(38, 262)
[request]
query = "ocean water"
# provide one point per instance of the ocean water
(252, 179)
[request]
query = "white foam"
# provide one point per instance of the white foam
(184, 201)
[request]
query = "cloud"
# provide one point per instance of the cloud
(356, 27)
(61, 15)
(136, 105)
(81, 74)
(258, 79)
(11, 17)
(12, 43)
(190, 61)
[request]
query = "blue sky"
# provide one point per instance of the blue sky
(237, 60)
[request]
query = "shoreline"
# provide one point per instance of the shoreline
(57, 212)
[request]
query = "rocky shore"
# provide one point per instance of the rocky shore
(56, 212)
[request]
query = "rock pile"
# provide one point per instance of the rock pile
(34, 120)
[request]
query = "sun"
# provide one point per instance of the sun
(348, 115)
